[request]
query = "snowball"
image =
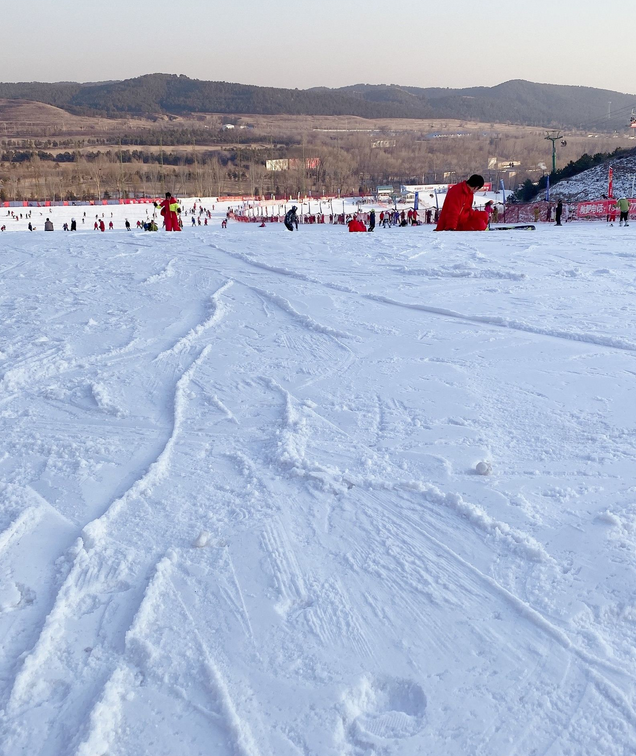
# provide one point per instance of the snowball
(483, 468)
(203, 540)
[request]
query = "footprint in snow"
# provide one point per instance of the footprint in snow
(384, 708)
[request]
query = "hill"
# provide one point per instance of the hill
(592, 184)
(517, 101)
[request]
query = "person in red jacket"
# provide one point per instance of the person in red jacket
(170, 209)
(356, 225)
(457, 212)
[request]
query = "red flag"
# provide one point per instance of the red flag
(610, 187)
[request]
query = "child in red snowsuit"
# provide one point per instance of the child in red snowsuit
(457, 213)
(170, 209)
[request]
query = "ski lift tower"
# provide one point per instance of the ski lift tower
(554, 136)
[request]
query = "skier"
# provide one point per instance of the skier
(73, 224)
(48, 226)
(291, 219)
(372, 220)
(127, 225)
(170, 209)
(457, 212)
(559, 212)
(102, 225)
(623, 205)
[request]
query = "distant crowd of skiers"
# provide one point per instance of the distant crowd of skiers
(361, 221)
(457, 214)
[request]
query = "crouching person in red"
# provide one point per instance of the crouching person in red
(355, 224)
(170, 210)
(457, 211)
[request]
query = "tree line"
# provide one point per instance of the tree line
(323, 163)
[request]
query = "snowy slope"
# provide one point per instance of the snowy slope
(240, 513)
(593, 184)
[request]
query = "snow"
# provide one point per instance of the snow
(275, 494)
(593, 183)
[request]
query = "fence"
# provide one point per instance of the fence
(77, 203)
(542, 212)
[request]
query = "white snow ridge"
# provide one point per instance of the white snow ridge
(273, 494)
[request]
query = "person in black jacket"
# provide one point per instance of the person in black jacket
(559, 212)
(291, 219)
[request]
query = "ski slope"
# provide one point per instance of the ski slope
(240, 513)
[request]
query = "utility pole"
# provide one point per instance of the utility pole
(121, 173)
(554, 136)
(161, 159)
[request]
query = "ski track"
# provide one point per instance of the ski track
(599, 669)
(498, 322)
(605, 341)
(92, 573)
(217, 313)
(293, 459)
(138, 666)
(305, 320)
(167, 272)
(24, 521)
(460, 271)
(159, 469)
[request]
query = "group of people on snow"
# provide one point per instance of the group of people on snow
(456, 214)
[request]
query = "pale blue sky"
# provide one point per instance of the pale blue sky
(328, 42)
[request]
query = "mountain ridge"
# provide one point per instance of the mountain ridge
(515, 101)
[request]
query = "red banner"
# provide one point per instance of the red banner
(601, 208)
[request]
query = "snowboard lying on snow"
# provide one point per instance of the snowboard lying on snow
(527, 227)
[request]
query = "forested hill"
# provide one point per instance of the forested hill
(515, 101)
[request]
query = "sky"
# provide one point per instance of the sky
(329, 43)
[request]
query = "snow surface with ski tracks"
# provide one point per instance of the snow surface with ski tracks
(239, 508)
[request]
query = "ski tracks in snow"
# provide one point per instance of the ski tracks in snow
(217, 313)
(347, 607)
(487, 320)
(159, 659)
(93, 603)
